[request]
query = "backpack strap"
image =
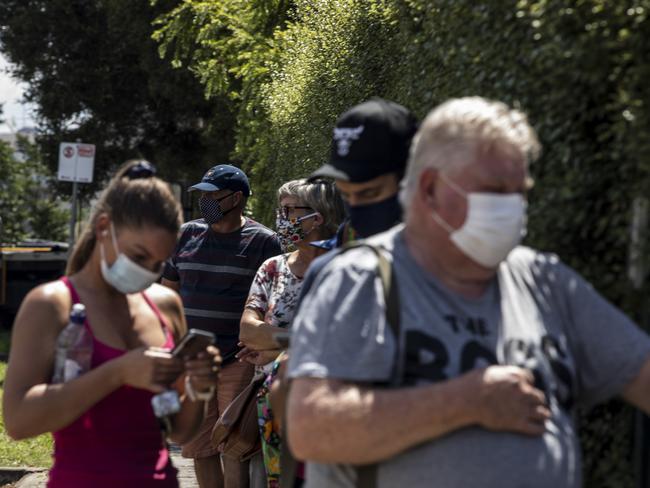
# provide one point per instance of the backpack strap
(288, 463)
(367, 473)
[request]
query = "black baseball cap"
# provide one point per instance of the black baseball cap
(222, 177)
(369, 140)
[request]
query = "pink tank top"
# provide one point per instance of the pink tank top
(118, 441)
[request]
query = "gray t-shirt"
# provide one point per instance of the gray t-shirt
(537, 313)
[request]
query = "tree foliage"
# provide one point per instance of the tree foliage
(27, 207)
(231, 47)
(579, 69)
(94, 74)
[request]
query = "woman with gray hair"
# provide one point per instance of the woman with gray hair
(308, 211)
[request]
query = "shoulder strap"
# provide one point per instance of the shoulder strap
(367, 474)
(288, 463)
(161, 318)
(73, 293)
(75, 299)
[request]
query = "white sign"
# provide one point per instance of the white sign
(76, 162)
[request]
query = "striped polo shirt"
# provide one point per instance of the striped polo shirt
(215, 272)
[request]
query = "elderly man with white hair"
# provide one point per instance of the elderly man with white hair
(498, 342)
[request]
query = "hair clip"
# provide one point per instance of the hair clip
(143, 169)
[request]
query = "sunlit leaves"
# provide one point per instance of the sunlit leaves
(27, 207)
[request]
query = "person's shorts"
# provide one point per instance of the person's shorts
(233, 378)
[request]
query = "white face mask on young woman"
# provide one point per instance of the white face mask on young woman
(494, 225)
(124, 275)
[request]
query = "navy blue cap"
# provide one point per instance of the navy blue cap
(223, 177)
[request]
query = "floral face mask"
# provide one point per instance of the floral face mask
(290, 230)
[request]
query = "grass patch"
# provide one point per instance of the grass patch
(35, 452)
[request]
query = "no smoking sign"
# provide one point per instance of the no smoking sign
(76, 162)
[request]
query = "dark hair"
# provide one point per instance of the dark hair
(133, 198)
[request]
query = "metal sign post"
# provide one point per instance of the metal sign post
(73, 214)
(76, 164)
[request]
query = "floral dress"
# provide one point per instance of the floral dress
(274, 294)
(271, 441)
(275, 291)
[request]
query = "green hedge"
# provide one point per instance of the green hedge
(579, 69)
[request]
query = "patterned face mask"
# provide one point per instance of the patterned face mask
(290, 231)
(211, 209)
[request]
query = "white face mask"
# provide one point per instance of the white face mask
(124, 275)
(494, 225)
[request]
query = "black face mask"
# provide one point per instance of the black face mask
(371, 219)
(211, 209)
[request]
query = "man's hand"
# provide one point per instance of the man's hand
(507, 400)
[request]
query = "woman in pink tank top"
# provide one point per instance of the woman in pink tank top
(105, 431)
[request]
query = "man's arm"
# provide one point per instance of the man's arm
(637, 392)
(174, 285)
(170, 275)
(272, 247)
(331, 421)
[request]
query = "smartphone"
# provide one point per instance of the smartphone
(282, 339)
(194, 342)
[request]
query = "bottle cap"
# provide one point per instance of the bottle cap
(78, 314)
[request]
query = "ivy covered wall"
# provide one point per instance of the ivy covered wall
(579, 69)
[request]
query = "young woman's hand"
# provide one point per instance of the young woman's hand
(151, 369)
(203, 371)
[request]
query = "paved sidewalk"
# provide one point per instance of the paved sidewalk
(33, 480)
(185, 467)
(186, 476)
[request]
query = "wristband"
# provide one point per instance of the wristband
(197, 395)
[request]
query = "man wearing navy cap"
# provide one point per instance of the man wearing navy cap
(212, 268)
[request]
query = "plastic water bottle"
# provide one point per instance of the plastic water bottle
(74, 348)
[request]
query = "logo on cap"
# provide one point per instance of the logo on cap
(344, 137)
